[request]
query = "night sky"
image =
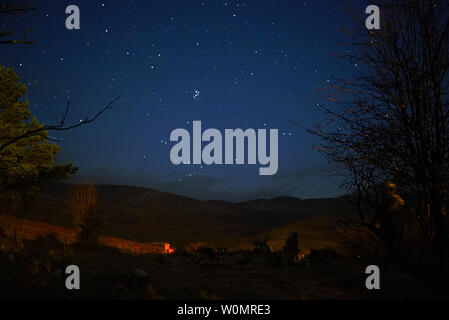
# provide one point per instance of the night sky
(230, 64)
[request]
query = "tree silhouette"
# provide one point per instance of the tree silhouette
(12, 8)
(26, 150)
(82, 204)
(388, 125)
(27, 163)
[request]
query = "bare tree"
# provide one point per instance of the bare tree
(8, 7)
(61, 126)
(82, 205)
(12, 8)
(388, 128)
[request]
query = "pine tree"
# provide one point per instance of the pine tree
(27, 163)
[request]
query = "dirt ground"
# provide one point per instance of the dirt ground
(36, 271)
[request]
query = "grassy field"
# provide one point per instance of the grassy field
(36, 271)
(128, 263)
(25, 229)
(146, 215)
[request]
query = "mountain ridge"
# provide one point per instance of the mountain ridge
(148, 215)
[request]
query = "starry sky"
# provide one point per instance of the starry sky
(231, 64)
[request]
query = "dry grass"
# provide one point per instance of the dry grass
(26, 229)
(315, 232)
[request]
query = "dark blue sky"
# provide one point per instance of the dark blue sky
(249, 62)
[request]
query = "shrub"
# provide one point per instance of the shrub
(83, 201)
(261, 247)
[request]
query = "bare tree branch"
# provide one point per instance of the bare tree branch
(389, 125)
(58, 127)
(10, 9)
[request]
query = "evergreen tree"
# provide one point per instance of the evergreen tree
(27, 163)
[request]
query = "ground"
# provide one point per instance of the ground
(214, 258)
(36, 271)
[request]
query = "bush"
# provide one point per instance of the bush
(322, 257)
(261, 247)
(207, 251)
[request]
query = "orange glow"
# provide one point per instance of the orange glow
(168, 249)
